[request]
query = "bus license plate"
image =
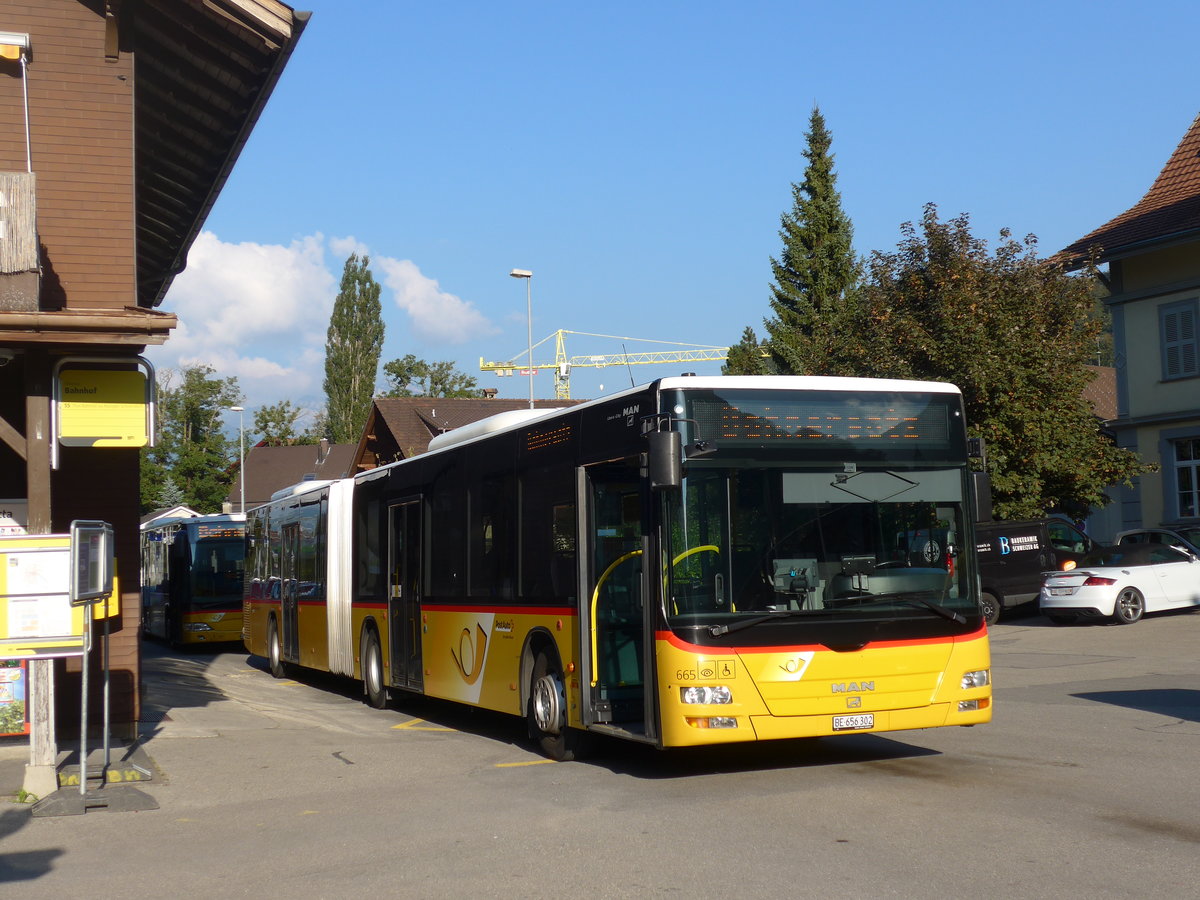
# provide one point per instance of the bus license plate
(854, 723)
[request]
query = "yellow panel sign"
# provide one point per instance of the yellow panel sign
(36, 616)
(102, 408)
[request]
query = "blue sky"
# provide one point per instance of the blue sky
(637, 157)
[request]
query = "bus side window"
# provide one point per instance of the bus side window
(447, 520)
(548, 532)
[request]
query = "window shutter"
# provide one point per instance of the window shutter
(1180, 357)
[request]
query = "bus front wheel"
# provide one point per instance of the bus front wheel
(372, 671)
(547, 713)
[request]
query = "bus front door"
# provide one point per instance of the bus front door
(404, 594)
(622, 617)
(289, 593)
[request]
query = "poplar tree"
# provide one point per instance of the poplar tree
(817, 271)
(352, 347)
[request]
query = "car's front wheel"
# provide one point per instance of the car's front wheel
(1130, 606)
(991, 607)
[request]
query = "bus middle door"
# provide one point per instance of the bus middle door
(404, 594)
(289, 593)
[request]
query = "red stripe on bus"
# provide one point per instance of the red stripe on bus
(503, 610)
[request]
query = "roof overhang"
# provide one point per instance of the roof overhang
(203, 72)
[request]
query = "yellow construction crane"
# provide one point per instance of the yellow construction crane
(563, 364)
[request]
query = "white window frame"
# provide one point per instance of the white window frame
(1187, 501)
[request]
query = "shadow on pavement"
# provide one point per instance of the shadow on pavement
(26, 865)
(1177, 703)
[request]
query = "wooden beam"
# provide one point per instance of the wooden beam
(12, 437)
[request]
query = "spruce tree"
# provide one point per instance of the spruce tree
(817, 272)
(748, 357)
(352, 347)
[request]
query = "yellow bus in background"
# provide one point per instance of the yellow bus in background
(192, 579)
(701, 560)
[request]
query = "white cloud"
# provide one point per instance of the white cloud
(343, 247)
(435, 315)
(257, 312)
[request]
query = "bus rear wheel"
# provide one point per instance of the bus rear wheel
(275, 652)
(372, 671)
(547, 713)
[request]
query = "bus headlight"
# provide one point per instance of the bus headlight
(197, 626)
(977, 679)
(697, 694)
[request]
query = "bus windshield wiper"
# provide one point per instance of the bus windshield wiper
(875, 599)
(716, 630)
(913, 600)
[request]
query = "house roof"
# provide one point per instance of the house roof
(1169, 211)
(400, 427)
(169, 512)
(1101, 392)
(268, 469)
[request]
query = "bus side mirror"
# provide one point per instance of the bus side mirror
(981, 494)
(664, 465)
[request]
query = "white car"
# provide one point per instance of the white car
(1122, 583)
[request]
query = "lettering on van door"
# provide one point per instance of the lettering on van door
(1017, 544)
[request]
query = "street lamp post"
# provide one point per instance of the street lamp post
(241, 456)
(528, 276)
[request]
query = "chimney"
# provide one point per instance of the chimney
(322, 450)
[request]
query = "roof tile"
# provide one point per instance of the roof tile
(1171, 208)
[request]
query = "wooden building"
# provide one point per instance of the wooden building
(122, 121)
(400, 427)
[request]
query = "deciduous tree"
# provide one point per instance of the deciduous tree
(192, 450)
(1015, 333)
(277, 423)
(412, 377)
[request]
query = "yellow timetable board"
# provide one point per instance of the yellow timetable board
(36, 616)
(102, 408)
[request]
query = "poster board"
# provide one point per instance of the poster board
(14, 690)
(37, 619)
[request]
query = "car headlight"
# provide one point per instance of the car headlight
(697, 694)
(977, 679)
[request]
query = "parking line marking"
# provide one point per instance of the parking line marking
(411, 725)
(531, 762)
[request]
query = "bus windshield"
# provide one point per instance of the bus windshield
(216, 573)
(816, 545)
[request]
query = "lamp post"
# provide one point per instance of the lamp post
(528, 276)
(241, 456)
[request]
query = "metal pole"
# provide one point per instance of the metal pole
(529, 323)
(242, 457)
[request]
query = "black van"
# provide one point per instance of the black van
(1013, 556)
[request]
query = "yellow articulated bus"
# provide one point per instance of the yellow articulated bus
(192, 582)
(701, 560)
